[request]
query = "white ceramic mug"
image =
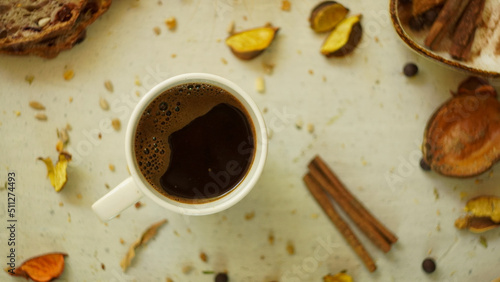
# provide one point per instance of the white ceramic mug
(136, 186)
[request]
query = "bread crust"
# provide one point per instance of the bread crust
(27, 21)
(51, 47)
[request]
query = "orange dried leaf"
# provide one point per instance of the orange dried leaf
(42, 268)
(57, 173)
(145, 237)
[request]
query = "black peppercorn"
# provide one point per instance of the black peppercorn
(410, 69)
(221, 277)
(428, 265)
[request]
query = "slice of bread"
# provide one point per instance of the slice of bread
(421, 6)
(24, 21)
(50, 47)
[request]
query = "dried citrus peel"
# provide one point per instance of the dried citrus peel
(42, 268)
(57, 173)
(485, 206)
(476, 224)
(145, 237)
(249, 44)
(326, 15)
(484, 214)
(344, 38)
(462, 137)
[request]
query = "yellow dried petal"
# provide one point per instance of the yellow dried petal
(57, 173)
(339, 277)
(286, 5)
(116, 124)
(171, 23)
(59, 146)
(260, 84)
(157, 30)
(36, 105)
(41, 117)
(68, 74)
(108, 85)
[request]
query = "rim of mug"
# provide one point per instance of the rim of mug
(237, 193)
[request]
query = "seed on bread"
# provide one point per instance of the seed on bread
(43, 22)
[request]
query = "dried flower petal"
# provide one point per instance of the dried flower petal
(203, 257)
(260, 85)
(116, 124)
(62, 134)
(339, 277)
(57, 174)
(290, 248)
(104, 104)
(29, 78)
(157, 30)
(285, 5)
(59, 146)
(42, 117)
(37, 105)
(483, 241)
(108, 85)
(42, 268)
(146, 236)
(171, 23)
(68, 74)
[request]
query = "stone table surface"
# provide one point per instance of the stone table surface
(368, 123)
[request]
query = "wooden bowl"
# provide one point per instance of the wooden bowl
(485, 60)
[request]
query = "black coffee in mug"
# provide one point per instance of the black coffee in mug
(194, 142)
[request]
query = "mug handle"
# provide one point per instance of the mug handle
(115, 201)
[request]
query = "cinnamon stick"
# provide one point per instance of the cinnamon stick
(363, 224)
(445, 22)
(463, 36)
(322, 199)
(337, 184)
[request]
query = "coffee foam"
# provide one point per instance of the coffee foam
(170, 111)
